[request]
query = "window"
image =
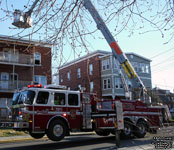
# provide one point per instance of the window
(129, 84)
(26, 97)
(121, 83)
(118, 83)
(37, 58)
(13, 77)
(116, 63)
(61, 78)
(135, 65)
(106, 83)
(73, 100)
(78, 73)
(109, 83)
(79, 86)
(59, 99)
(68, 75)
(42, 97)
(143, 68)
(40, 80)
(91, 86)
(90, 69)
(147, 68)
(105, 64)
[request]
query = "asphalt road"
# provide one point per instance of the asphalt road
(81, 142)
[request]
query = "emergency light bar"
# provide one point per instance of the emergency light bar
(35, 86)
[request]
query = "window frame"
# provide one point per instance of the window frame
(105, 64)
(37, 53)
(40, 79)
(118, 82)
(79, 73)
(68, 76)
(90, 69)
(68, 99)
(92, 89)
(47, 99)
(62, 105)
(107, 84)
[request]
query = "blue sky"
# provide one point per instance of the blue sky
(151, 45)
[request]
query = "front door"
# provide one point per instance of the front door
(4, 80)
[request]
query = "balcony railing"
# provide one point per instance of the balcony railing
(13, 85)
(21, 59)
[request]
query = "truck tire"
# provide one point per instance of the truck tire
(127, 132)
(56, 130)
(141, 132)
(36, 135)
(102, 132)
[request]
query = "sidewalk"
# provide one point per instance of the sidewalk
(28, 137)
(15, 138)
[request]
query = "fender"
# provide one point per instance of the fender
(143, 119)
(57, 116)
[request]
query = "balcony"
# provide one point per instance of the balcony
(11, 86)
(16, 59)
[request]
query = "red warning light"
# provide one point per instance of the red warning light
(64, 115)
(36, 86)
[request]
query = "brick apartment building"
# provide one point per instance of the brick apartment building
(22, 62)
(99, 72)
(83, 72)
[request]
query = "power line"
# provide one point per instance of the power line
(168, 60)
(160, 69)
(162, 53)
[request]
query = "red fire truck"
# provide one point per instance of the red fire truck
(56, 111)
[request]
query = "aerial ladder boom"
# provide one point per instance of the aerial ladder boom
(116, 50)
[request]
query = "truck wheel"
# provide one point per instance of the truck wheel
(127, 132)
(36, 135)
(56, 130)
(141, 132)
(102, 132)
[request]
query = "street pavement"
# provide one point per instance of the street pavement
(78, 141)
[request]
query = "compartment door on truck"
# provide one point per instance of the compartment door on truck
(73, 109)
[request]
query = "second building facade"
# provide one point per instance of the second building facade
(99, 72)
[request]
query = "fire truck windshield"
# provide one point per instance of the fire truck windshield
(26, 97)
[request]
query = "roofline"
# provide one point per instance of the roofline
(87, 56)
(24, 40)
(132, 53)
(128, 53)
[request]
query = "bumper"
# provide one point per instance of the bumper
(14, 125)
